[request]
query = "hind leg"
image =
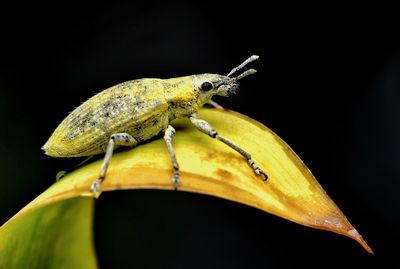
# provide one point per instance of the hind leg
(168, 137)
(119, 139)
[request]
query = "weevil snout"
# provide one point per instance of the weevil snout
(230, 85)
(227, 86)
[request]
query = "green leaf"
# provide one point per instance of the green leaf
(58, 235)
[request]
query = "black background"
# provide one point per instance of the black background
(328, 84)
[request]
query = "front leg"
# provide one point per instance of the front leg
(206, 128)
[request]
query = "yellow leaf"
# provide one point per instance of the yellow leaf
(210, 167)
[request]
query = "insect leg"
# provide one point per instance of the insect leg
(122, 139)
(206, 128)
(168, 137)
(214, 104)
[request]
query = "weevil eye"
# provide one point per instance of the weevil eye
(206, 86)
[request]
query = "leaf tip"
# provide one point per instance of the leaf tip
(354, 234)
(338, 223)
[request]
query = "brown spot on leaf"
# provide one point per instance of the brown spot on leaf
(226, 156)
(224, 174)
(211, 155)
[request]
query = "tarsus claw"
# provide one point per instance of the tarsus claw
(176, 181)
(258, 170)
(95, 187)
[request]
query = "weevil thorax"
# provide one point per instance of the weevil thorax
(186, 95)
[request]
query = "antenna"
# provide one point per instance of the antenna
(244, 74)
(248, 60)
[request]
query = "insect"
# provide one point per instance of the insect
(132, 112)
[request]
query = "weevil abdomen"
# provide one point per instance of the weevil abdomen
(136, 107)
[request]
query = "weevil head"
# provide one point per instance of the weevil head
(185, 95)
(208, 85)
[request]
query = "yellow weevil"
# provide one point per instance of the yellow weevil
(135, 111)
